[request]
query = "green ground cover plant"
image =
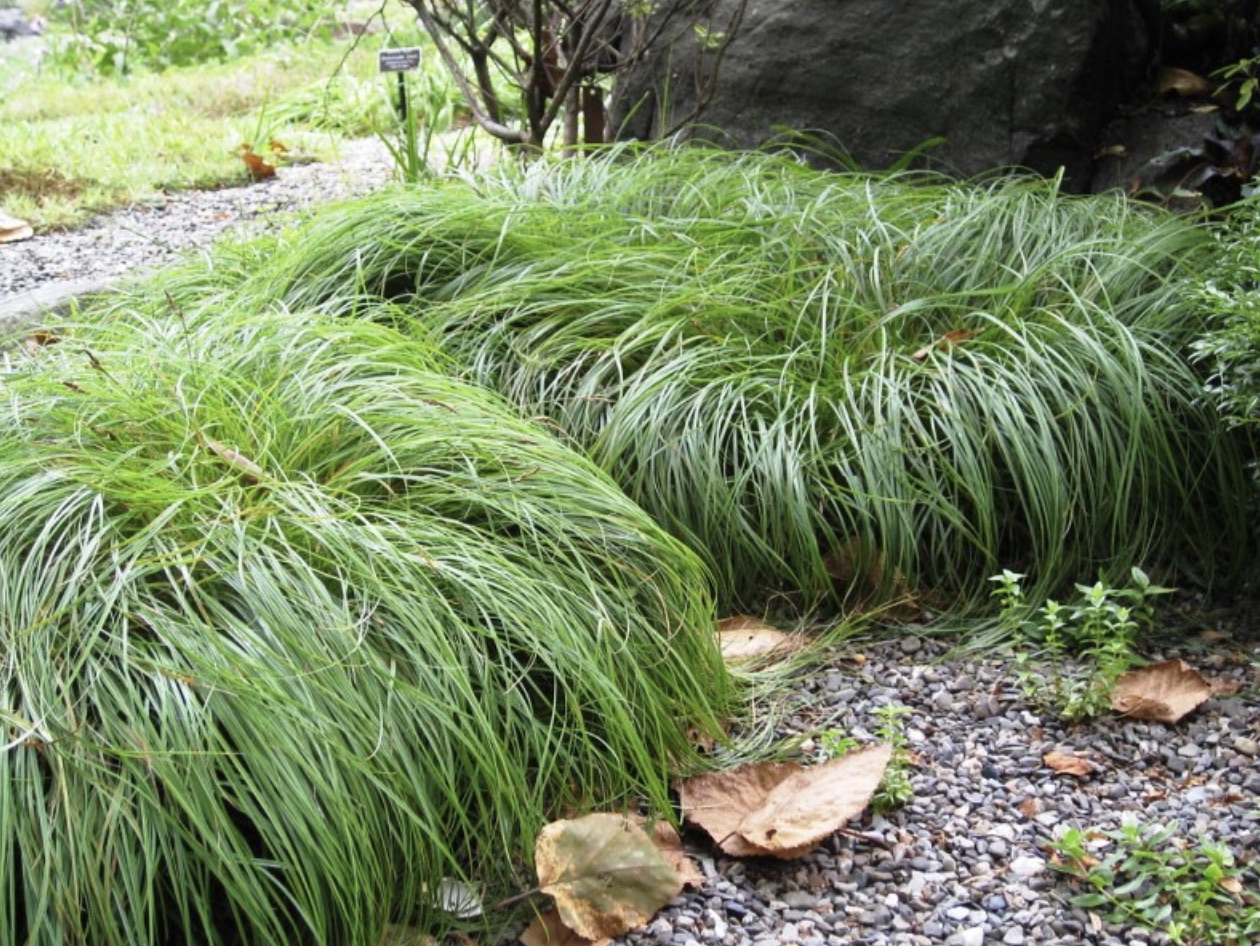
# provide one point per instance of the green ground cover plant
(299, 632)
(844, 386)
(1196, 893)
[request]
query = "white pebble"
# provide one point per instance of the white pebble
(1027, 866)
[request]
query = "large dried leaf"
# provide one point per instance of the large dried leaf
(743, 638)
(719, 801)
(12, 229)
(605, 874)
(782, 809)
(669, 844)
(1164, 692)
(814, 802)
(548, 929)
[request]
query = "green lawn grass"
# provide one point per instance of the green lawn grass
(71, 147)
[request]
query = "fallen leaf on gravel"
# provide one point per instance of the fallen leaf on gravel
(719, 801)
(1182, 81)
(1231, 885)
(12, 229)
(1068, 764)
(549, 930)
(782, 809)
(605, 874)
(258, 168)
(670, 846)
(743, 638)
(1163, 692)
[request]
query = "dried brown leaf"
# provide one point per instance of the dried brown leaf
(814, 802)
(743, 638)
(1182, 81)
(719, 801)
(1164, 692)
(258, 168)
(605, 874)
(247, 467)
(782, 809)
(12, 229)
(548, 929)
(1068, 764)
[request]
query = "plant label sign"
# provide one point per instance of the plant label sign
(405, 59)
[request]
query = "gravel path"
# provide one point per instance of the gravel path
(44, 272)
(965, 862)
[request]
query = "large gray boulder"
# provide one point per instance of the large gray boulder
(1004, 82)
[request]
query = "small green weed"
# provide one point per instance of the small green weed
(895, 788)
(1088, 644)
(1150, 877)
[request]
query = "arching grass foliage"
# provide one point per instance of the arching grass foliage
(293, 628)
(829, 384)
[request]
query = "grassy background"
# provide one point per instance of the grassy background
(835, 386)
(74, 146)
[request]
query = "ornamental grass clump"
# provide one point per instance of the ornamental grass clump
(296, 633)
(831, 384)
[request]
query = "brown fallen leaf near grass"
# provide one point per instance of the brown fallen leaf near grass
(259, 168)
(547, 929)
(13, 229)
(744, 638)
(781, 809)
(604, 873)
(1164, 692)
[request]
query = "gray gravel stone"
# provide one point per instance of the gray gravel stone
(44, 273)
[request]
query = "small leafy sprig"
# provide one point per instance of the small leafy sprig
(1088, 645)
(895, 789)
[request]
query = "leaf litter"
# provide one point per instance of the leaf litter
(782, 809)
(1165, 692)
(744, 638)
(605, 874)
